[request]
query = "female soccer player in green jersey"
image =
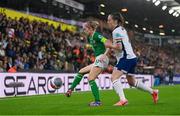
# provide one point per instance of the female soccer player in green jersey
(98, 43)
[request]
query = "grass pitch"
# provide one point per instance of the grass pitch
(140, 103)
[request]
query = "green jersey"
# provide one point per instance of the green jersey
(97, 42)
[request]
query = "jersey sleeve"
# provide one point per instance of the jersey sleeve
(99, 37)
(118, 35)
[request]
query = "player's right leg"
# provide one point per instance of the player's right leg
(78, 78)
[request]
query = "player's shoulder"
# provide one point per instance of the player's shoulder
(119, 32)
(97, 35)
(119, 29)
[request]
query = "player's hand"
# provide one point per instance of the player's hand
(117, 46)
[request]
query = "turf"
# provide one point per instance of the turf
(139, 103)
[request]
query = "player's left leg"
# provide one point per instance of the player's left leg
(95, 71)
(99, 65)
(139, 85)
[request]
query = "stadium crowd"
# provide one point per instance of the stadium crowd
(37, 46)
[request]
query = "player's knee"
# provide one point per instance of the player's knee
(113, 78)
(81, 71)
(131, 82)
(90, 78)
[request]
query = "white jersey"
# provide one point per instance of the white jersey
(120, 36)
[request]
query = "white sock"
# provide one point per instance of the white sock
(142, 86)
(118, 88)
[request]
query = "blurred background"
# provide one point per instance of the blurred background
(45, 35)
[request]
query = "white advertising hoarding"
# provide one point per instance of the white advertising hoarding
(39, 83)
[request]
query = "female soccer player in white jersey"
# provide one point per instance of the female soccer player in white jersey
(126, 60)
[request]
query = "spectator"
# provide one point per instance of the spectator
(1, 67)
(36, 45)
(13, 69)
(2, 51)
(170, 72)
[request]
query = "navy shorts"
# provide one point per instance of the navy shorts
(127, 65)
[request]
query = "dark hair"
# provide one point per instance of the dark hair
(118, 17)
